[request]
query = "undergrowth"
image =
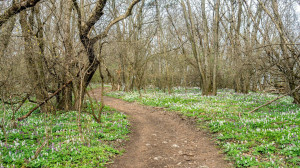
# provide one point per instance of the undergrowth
(266, 138)
(65, 148)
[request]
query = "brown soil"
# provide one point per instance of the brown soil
(161, 139)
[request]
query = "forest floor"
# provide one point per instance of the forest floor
(163, 139)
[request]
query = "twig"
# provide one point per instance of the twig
(2, 126)
(92, 107)
(79, 108)
(279, 97)
(16, 109)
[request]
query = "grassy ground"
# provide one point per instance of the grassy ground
(65, 147)
(97, 85)
(266, 138)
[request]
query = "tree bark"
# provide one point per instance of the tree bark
(35, 72)
(6, 35)
(66, 99)
(216, 46)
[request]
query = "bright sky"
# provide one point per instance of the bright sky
(298, 9)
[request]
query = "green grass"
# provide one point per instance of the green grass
(266, 138)
(65, 147)
(97, 85)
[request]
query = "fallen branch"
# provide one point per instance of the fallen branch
(37, 152)
(20, 105)
(13, 102)
(279, 97)
(45, 101)
(16, 109)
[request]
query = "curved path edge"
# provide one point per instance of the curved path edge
(161, 139)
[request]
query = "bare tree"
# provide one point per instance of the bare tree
(89, 42)
(287, 60)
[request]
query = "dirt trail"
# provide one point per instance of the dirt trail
(163, 139)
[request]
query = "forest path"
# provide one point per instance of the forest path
(161, 139)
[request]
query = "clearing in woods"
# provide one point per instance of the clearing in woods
(163, 139)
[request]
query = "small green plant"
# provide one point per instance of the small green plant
(64, 148)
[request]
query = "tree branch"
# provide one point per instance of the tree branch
(116, 20)
(272, 45)
(94, 17)
(76, 6)
(16, 8)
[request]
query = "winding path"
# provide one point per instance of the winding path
(160, 139)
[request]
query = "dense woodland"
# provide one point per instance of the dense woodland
(53, 51)
(59, 45)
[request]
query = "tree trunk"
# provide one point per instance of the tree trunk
(66, 94)
(216, 46)
(5, 35)
(31, 63)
